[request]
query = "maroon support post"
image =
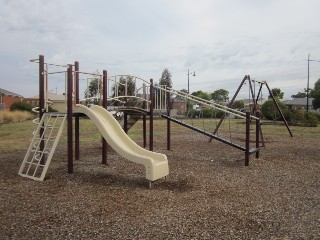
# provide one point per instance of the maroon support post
(76, 120)
(144, 127)
(246, 163)
(151, 115)
(257, 133)
(41, 101)
(69, 117)
(168, 123)
(104, 104)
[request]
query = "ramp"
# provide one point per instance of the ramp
(38, 157)
(156, 164)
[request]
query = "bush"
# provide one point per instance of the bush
(21, 106)
(310, 119)
(270, 111)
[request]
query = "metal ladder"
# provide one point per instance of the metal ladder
(41, 149)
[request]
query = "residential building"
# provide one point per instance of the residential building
(299, 104)
(8, 98)
(57, 101)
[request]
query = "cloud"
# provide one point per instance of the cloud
(222, 41)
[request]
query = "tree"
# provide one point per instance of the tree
(93, 88)
(276, 92)
(238, 104)
(315, 93)
(166, 78)
(201, 94)
(125, 82)
(299, 95)
(271, 112)
(220, 95)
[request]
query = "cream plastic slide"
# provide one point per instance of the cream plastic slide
(156, 164)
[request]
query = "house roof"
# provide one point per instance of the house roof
(298, 101)
(8, 93)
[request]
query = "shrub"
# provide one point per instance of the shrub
(21, 106)
(270, 111)
(310, 119)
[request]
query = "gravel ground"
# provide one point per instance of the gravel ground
(208, 195)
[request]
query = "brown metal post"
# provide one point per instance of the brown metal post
(69, 117)
(246, 161)
(125, 122)
(257, 132)
(41, 101)
(41, 86)
(76, 119)
(229, 105)
(168, 122)
(151, 115)
(144, 127)
(104, 104)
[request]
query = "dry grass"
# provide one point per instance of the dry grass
(15, 116)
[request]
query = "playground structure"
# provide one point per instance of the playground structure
(146, 99)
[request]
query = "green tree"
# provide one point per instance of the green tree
(220, 95)
(93, 88)
(201, 94)
(125, 82)
(238, 104)
(166, 78)
(276, 92)
(315, 93)
(299, 95)
(271, 112)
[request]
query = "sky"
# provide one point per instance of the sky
(221, 40)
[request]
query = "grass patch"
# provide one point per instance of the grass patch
(17, 136)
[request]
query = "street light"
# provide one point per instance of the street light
(193, 74)
(307, 90)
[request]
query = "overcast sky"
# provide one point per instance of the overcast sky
(221, 40)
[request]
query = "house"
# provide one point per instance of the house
(299, 104)
(8, 98)
(57, 101)
(180, 105)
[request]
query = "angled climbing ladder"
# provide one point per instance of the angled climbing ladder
(44, 142)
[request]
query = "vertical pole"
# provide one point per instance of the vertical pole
(125, 122)
(76, 119)
(144, 118)
(188, 81)
(246, 162)
(151, 115)
(308, 84)
(257, 132)
(41, 101)
(69, 117)
(104, 104)
(168, 122)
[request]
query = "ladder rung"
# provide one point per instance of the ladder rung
(36, 164)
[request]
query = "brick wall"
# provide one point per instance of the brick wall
(9, 100)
